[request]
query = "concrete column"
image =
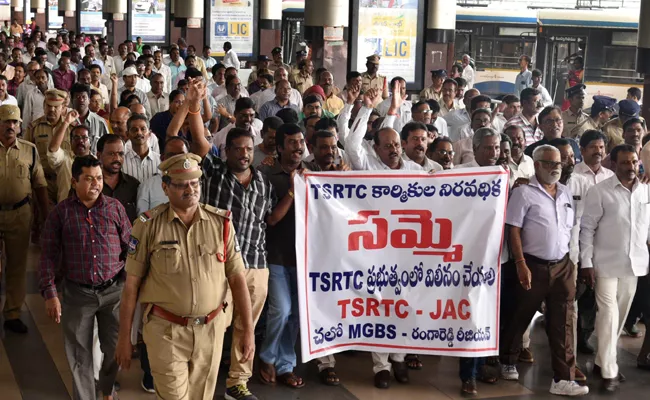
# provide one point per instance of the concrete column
(332, 55)
(270, 25)
(188, 15)
(38, 8)
(68, 10)
(440, 35)
(17, 11)
(115, 13)
(643, 56)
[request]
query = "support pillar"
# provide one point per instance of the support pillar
(68, 10)
(17, 11)
(270, 26)
(329, 54)
(38, 8)
(115, 12)
(440, 36)
(643, 56)
(188, 15)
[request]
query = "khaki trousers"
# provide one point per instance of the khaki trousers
(15, 227)
(184, 359)
(257, 281)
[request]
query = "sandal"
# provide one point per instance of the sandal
(487, 374)
(413, 361)
(267, 373)
(328, 377)
(292, 380)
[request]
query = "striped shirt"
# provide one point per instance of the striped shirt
(92, 242)
(140, 169)
(249, 206)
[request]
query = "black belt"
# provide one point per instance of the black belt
(11, 207)
(101, 287)
(540, 261)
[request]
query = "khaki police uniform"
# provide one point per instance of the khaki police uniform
(40, 133)
(614, 132)
(301, 82)
(20, 173)
(378, 82)
(273, 66)
(185, 272)
(574, 123)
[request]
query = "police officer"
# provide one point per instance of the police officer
(627, 109)
(276, 54)
(40, 133)
(300, 56)
(434, 92)
(601, 112)
(183, 254)
(21, 173)
(574, 117)
(372, 80)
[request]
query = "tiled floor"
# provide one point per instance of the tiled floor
(34, 367)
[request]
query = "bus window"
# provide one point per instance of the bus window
(484, 54)
(619, 66)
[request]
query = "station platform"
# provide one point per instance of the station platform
(34, 367)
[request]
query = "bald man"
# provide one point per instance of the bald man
(118, 120)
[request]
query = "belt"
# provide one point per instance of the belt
(11, 207)
(540, 261)
(101, 287)
(185, 321)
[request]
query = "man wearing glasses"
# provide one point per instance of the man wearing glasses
(551, 124)
(540, 217)
(442, 152)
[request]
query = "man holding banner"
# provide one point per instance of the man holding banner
(540, 217)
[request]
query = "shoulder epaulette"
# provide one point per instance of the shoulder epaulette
(26, 142)
(150, 214)
(218, 211)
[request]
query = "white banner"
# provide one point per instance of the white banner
(149, 20)
(400, 262)
(90, 17)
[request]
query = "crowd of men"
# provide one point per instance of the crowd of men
(161, 193)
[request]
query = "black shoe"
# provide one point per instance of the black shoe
(598, 372)
(610, 385)
(117, 386)
(147, 383)
(16, 326)
(401, 371)
(585, 348)
(382, 379)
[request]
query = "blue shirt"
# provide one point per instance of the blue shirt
(159, 124)
(522, 81)
(270, 108)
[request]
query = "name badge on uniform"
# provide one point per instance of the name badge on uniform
(568, 205)
(577, 197)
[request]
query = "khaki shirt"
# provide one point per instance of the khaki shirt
(273, 66)
(379, 82)
(614, 132)
(572, 122)
(20, 172)
(584, 126)
(183, 269)
(40, 133)
(300, 82)
(429, 93)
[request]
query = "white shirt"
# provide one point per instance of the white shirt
(33, 108)
(166, 72)
(429, 164)
(441, 125)
(405, 115)
(119, 64)
(579, 185)
(359, 157)
(267, 95)
(468, 75)
(456, 121)
(231, 60)
(525, 169)
(138, 168)
(609, 241)
(546, 97)
(594, 178)
(9, 100)
(498, 123)
(140, 83)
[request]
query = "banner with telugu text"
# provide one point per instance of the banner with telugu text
(400, 262)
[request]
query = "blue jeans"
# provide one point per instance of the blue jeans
(469, 367)
(282, 321)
